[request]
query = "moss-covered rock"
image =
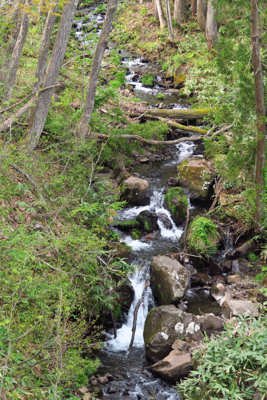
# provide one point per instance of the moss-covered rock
(128, 226)
(179, 79)
(196, 175)
(177, 204)
(148, 80)
(203, 236)
(148, 220)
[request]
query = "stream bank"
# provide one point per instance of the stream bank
(129, 371)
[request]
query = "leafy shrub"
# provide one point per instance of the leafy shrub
(161, 96)
(148, 80)
(232, 366)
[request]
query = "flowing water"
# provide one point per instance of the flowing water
(131, 379)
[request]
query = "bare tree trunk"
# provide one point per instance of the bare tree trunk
(193, 8)
(260, 109)
(212, 35)
(15, 58)
(96, 65)
(162, 19)
(43, 53)
(202, 8)
(179, 10)
(51, 75)
(156, 13)
(169, 19)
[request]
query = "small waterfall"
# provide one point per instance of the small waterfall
(124, 334)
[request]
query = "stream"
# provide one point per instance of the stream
(131, 378)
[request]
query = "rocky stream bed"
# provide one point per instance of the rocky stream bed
(183, 299)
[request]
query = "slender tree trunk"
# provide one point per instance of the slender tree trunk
(43, 53)
(202, 8)
(162, 19)
(51, 75)
(212, 35)
(169, 20)
(260, 109)
(96, 65)
(194, 8)
(15, 58)
(179, 10)
(156, 13)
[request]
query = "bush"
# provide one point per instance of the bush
(232, 366)
(203, 235)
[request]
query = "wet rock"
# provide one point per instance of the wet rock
(240, 266)
(210, 323)
(109, 377)
(152, 236)
(196, 175)
(102, 380)
(243, 250)
(144, 160)
(177, 204)
(218, 279)
(169, 279)
(173, 182)
(226, 265)
(235, 308)
(233, 279)
(148, 220)
(82, 390)
(175, 366)
(199, 150)
(126, 294)
(94, 382)
(214, 268)
(113, 389)
(136, 191)
(195, 280)
(163, 326)
(166, 221)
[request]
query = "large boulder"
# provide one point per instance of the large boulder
(196, 175)
(175, 366)
(169, 280)
(148, 220)
(177, 204)
(234, 308)
(135, 191)
(163, 326)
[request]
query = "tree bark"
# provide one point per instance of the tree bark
(96, 65)
(202, 8)
(15, 58)
(169, 19)
(193, 8)
(212, 35)
(156, 13)
(179, 10)
(182, 113)
(51, 75)
(260, 109)
(162, 19)
(43, 53)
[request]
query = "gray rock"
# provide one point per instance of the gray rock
(166, 221)
(235, 308)
(169, 279)
(126, 293)
(175, 366)
(210, 323)
(135, 191)
(243, 250)
(233, 279)
(240, 266)
(163, 326)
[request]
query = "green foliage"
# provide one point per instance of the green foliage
(161, 96)
(203, 235)
(232, 366)
(252, 257)
(148, 80)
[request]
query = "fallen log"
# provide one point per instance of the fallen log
(183, 113)
(173, 124)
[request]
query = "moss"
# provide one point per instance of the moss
(203, 236)
(147, 227)
(148, 80)
(136, 234)
(129, 225)
(177, 204)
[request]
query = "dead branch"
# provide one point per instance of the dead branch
(135, 317)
